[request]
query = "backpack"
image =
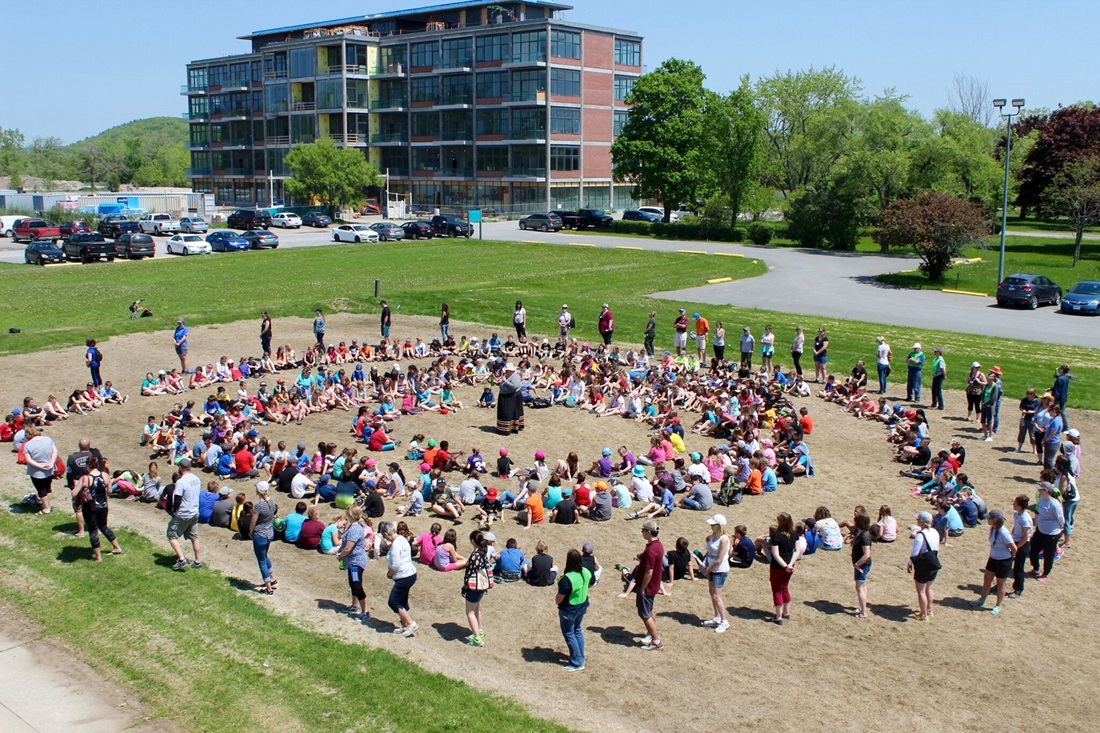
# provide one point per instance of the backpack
(98, 355)
(539, 402)
(572, 321)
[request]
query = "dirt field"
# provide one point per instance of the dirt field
(823, 669)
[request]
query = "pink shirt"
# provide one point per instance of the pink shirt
(427, 548)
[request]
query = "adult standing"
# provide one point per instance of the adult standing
(510, 402)
(185, 516)
(1050, 521)
(519, 320)
(476, 583)
(650, 333)
(319, 328)
(680, 332)
(263, 534)
(975, 385)
(1060, 390)
(385, 319)
(353, 557)
(915, 373)
(782, 558)
(924, 564)
(1022, 529)
(767, 348)
(883, 357)
(265, 333)
(40, 453)
(821, 356)
(748, 345)
(991, 403)
(702, 329)
(648, 584)
(861, 560)
(719, 341)
(179, 337)
(93, 358)
(1002, 550)
(606, 324)
(572, 601)
(716, 569)
(939, 376)
(1052, 436)
(445, 321)
(76, 466)
(401, 569)
(90, 494)
(1029, 406)
(565, 322)
(797, 345)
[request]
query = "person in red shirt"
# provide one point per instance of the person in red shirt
(806, 422)
(582, 495)
(444, 460)
(244, 463)
(309, 538)
(648, 579)
(606, 324)
(379, 440)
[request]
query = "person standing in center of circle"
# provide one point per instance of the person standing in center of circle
(265, 333)
(510, 402)
(606, 324)
(445, 321)
(650, 333)
(915, 364)
(939, 376)
(93, 358)
(319, 328)
(702, 329)
(680, 328)
(179, 336)
(519, 320)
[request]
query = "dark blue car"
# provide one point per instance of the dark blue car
(226, 240)
(316, 220)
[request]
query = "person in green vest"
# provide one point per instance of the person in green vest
(572, 600)
(915, 363)
(939, 376)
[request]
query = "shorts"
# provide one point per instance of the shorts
(862, 572)
(645, 605)
(44, 486)
(767, 350)
(185, 527)
(700, 341)
(923, 573)
(821, 360)
(1001, 569)
(718, 580)
(680, 340)
(181, 350)
(474, 596)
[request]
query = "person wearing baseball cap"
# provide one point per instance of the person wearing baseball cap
(702, 330)
(715, 567)
(915, 364)
(680, 329)
(648, 584)
(991, 404)
(939, 376)
(179, 337)
(924, 563)
(975, 384)
(998, 567)
(1050, 522)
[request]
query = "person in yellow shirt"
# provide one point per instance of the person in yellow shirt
(677, 442)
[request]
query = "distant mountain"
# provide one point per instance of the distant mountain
(169, 129)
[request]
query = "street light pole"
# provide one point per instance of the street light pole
(1000, 104)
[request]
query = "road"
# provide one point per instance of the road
(809, 281)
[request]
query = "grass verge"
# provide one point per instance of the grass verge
(201, 653)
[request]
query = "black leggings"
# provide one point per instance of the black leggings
(95, 521)
(796, 357)
(1022, 554)
(1048, 545)
(973, 403)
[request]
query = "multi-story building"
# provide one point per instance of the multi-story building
(506, 105)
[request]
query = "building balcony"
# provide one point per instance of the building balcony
(533, 135)
(204, 145)
(195, 117)
(462, 136)
(524, 174)
(395, 71)
(397, 104)
(525, 59)
(460, 172)
(348, 69)
(389, 138)
(526, 96)
(303, 106)
(454, 65)
(197, 172)
(345, 138)
(232, 172)
(275, 75)
(226, 115)
(241, 84)
(454, 100)
(278, 141)
(188, 89)
(235, 143)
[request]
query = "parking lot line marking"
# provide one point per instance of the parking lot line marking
(965, 292)
(691, 251)
(717, 280)
(623, 246)
(729, 254)
(581, 244)
(530, 241)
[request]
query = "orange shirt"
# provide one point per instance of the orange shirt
(534, 506)
(756, 484)
(429, 456)
(702, 326)
(807, 424)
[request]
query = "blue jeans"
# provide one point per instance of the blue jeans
(882, 377)
(260, 546)
(912, 386)
(444, 329)
(572, 620)
(1069, 508)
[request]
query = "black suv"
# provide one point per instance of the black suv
(88, 247)
(249, 219)
(451, 226)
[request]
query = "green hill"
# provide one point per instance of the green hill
(168, 129)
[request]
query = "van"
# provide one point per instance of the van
(7, 224)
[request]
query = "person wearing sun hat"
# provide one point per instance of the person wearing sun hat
(975, 384)
(510, 402)
(991, 403)
(915, 364)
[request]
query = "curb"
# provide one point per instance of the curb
(717, 280)
(965, 292)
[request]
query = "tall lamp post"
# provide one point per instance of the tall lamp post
(1000, 105)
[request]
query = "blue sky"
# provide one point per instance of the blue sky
(90, 65)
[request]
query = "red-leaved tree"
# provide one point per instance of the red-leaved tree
(1065, 135)
(938, 225)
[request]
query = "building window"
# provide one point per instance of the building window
(628, 53)
(492, 122)
(492, 48)
(493, 158)
(565, 83)
(528, 123)
(238, 74)
(275, 66)
(457, 89)
(303, 63)
(526, 85)
(355, 56)
(303, 128)
(565, 158)
(424, 54)
(196, 78)
(330, 94)
(529, 160)
(619, 123)
(565, 120)
(529, 46)
(624, 85)
(200, 134)
(457, 53)
(423, 89)
(257, 101)
(275, 98)
(565, 44)
(219, 104)
(358, 94)
(217, 76)
(425, 124)
(493, 85)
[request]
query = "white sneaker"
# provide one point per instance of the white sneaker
(644, 640)
(721, 627)
(410, 630)
(710, 623)
(988, 440)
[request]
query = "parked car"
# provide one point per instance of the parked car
(227, 240)
(88, 247)
(354, 233)
(417, 229)
(7, 225)
(159, 224)
(28, 230)
(451, 226)
(287, 220)
(187, 244)
(658, 212)
(1083, 297)
(261, 239)
(42, 252)
(249, 219)
(115, 225)
(542, 222)
(73, 227)
(314, 219)
(193, 225)
(387, 230)
(135, 246)
(1029, 290)
(585, 218)
(640, 215)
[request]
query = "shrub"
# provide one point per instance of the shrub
(618, 226)
(760, 233)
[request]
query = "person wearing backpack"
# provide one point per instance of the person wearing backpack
(90, 492)
(93, 357)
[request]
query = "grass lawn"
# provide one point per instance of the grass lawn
(481, 282)
(201, 653)
(1050, 257)
(1038, 225)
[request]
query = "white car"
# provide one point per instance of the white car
(158, 224)
(658, 211)
(287, 220)
(354, 233)
(7, 224)
(193, 225)
(187, 244)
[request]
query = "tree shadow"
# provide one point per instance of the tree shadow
(543, 655)
(687, 619)
(450, 631)
(829, 608)
(74, 553)
(890, 612)
(614, 635)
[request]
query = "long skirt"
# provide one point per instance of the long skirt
(510, 413)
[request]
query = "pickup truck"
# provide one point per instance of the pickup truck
(88, 247)
(28, 230)
(159, 224)
(585, 219)
(450, 226)
(115, 225)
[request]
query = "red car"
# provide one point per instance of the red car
(74, 227)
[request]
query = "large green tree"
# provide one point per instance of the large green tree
(1075, 194)
(11, 152)
(963, 155)
(662, 146)
(334, 177)
(734, 144)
